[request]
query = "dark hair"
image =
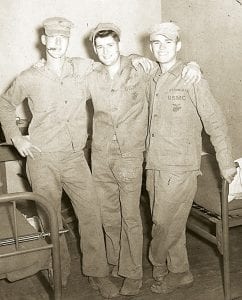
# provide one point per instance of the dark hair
(105, 33)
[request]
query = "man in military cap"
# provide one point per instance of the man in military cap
(178, 113)
(54, 149)
(120, 100)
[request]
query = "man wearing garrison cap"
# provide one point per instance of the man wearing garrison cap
(54, 88)
(176, 118)
(120, 100)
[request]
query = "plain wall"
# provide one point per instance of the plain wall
(21, 22)
(212, 36)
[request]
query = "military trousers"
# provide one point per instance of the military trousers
(118, 183)
(49, 174)
(171, 195)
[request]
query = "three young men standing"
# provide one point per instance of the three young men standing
(57, 89)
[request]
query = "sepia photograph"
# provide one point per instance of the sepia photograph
(120, 149)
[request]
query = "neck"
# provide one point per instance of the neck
(165, 67)
(114, 69)
(55, 64)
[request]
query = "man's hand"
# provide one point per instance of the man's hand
(228, 174)
(191, 73)
(147, 64)
(24, 146)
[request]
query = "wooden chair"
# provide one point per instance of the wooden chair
(211, 204)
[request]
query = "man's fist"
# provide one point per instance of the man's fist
(228, 174)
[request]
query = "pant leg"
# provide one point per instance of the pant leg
(173, 195)
(108, 193)
(78, 184)
(44, 177)
(128, 172)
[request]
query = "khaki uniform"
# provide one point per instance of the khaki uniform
(178, 113)
(59, 129)
(119, 132)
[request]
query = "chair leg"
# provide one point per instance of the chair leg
(225, 226)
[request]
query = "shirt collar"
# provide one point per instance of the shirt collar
(68, 67)
(124, 62)
(175, 70)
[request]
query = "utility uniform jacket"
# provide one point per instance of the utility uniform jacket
(57, 104)
(178, 113)
(120, 108)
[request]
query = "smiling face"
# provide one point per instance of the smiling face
(107, 50)
(164, 49)
(56, 45)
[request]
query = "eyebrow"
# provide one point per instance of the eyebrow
(166, 39)
(111, 43)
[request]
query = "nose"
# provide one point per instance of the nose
(161, 46)
(58, 40)
(105, 51)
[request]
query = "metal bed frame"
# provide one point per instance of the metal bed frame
(9, 153)
(221, 238)
(54, 234)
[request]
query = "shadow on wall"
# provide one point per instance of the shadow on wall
(39, 46)
(144, 41)
(88, 47)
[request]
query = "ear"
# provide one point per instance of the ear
(120, 47)
(94, 48)
(43, 39)
(151, 49)
(178, 46)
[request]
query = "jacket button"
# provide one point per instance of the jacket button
(153, 135)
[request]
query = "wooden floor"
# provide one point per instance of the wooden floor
(205, 266)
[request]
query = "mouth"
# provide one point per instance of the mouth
(54, 49)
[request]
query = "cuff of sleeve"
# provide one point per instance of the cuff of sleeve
(225, 162)
(193, 63)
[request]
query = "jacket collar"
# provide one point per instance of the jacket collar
(175, 71)
(124, 62)
(68, 68)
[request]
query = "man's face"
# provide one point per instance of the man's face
(107, 50)
(164, 49)
(56, 45)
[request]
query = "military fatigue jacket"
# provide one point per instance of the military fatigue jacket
(58, 105)
(120, 108)
(178, 113)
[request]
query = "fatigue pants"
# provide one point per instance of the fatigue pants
(48, 174)
(118, 184)
(171, 196)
